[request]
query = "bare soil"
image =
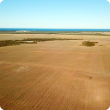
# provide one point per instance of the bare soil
(56, 75)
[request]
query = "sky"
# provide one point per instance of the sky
(68, 14)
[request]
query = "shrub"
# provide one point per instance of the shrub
(89, 43)
(8, 43)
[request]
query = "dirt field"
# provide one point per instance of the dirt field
(22, 36)
(56, 75)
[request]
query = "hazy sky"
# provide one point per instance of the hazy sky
(55, 14)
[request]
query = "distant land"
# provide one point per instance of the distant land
(42, 29)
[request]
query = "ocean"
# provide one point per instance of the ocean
(39, 29)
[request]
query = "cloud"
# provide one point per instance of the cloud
(108, 1)
(1, 1)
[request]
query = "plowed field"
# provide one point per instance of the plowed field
(55, 75)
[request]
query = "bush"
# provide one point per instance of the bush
(48, 39)
(8, 43)
(89, 43)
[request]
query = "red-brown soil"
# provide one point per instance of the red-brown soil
(55, 75)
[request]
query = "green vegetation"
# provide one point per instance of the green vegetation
(15, 42)
(47, 39)
(89, 43)
(8, 43)
(29, 41)
(56, 32)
